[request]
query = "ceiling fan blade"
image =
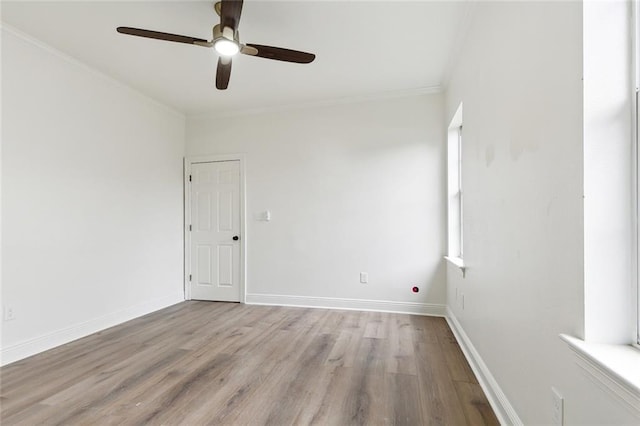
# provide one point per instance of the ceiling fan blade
(279, 54)
(230, 11)
(223, 73)
(160, 36)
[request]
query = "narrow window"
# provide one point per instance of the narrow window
(460, 196)
(455, 194)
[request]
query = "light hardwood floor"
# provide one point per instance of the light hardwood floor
(225, 363)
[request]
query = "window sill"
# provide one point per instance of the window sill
(615, 368)
(457, 262)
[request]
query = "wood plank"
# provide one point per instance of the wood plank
(476, 407)
(439, 400)
(277, 345)
(377, 326)
(241, 387)
(296, 388)
(306, 351)
(209, 382)
(22, 395)
(403, 400)
(313, 404)
(327, 406)
(345, 350)
(401, 358)
(225, 363)
(365, 401)
(425, 329)
(83, 401)
(459, 368)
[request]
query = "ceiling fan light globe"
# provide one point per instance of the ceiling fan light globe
(226, 47)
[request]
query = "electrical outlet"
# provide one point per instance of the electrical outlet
(364, 277)
(9, 314)
(557, 415)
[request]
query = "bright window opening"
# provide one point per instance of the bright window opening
(455, 192)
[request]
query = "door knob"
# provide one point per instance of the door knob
(236, 238)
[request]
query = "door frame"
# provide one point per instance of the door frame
(188, 162)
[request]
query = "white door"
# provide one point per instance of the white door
(215, 231)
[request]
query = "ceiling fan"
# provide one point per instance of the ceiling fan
(226, 42)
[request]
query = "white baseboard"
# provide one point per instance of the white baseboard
(501, 406)
(48, 341)
(430, 309)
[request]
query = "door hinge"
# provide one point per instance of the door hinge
(189, 228)
(189, 178)
(189, 277)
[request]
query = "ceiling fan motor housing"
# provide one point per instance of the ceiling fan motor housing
(226, 33)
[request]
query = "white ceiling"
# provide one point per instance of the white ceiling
(363, 48)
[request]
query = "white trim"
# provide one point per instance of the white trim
(635, 293)
(501, 406)
(457, 262)
(70, 59)
(243, 219)
(394, 94)
(614, 368)
(429, 309)
(56, 338)
(186, 208)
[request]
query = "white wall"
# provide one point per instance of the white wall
(91, 198)
(520, 78)
(352, 187)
